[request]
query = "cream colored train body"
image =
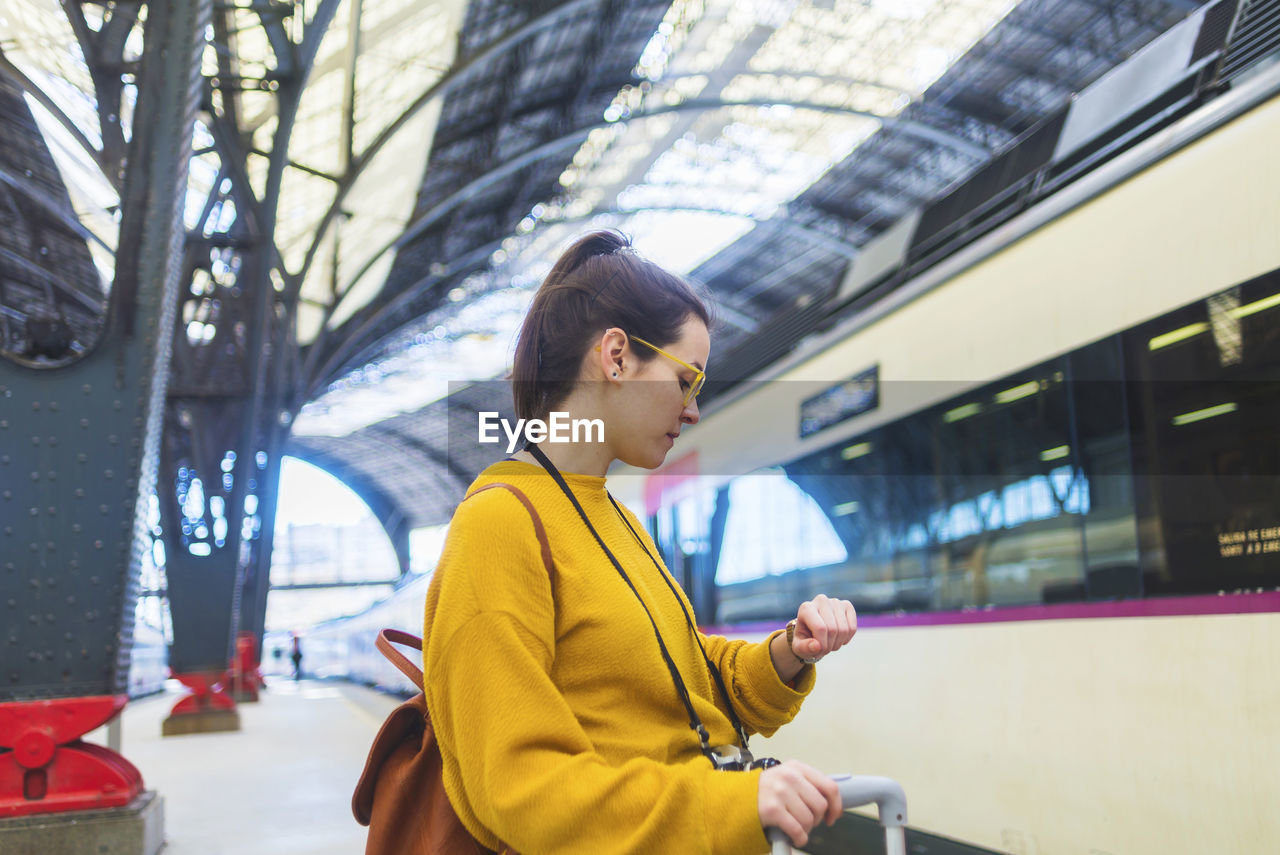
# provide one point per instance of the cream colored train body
(1103, 728)
(1098, 735)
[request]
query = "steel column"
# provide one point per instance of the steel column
(78, 451)
(223, 426)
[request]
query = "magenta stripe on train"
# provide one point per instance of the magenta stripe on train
(1211, 604)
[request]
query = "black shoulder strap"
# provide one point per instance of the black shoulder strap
(688, 619)
(695, 723)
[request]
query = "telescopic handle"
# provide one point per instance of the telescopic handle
(856, 790)
(778, 840)
(885, 793)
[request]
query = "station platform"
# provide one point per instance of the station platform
(281, 785)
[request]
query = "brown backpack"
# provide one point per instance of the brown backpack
(401, 795)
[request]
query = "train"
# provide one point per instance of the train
(1044, 467)
(148, 661)
(345, 647)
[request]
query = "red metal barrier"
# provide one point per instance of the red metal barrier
(243, 679)
(208, 694)
(45, 767)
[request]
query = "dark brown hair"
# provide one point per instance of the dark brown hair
(599, 282)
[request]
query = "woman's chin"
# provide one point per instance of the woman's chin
(649, 458)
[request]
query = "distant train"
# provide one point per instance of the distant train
(1046, 470)
(148, 661)
(345, 647)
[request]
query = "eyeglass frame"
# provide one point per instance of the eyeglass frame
(699, 375)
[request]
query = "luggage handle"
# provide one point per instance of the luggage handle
(856, 790)
(398, 636)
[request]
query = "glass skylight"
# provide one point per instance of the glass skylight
(741, 106)
(40, 44)
(744, 104)
(813, 83)
(464, 341)
(404, 45)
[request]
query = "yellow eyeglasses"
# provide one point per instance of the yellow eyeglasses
(699, 376)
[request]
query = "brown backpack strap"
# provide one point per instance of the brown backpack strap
(404, 728)
(398, 659)
(388, 637)
(538, 528)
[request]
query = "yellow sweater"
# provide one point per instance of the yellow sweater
(558, 721)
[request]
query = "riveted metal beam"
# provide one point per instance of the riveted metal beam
(229, 402)
(460, 71)
(90, 430)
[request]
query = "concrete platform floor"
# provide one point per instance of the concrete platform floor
(280, 786)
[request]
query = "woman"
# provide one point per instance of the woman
(574, 708)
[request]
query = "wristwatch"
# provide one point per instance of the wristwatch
(791, 637)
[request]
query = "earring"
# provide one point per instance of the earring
(615, 375)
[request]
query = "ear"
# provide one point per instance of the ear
(611, 351)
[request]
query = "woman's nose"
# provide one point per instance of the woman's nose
(690, 415)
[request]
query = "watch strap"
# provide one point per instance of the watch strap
(791, 638)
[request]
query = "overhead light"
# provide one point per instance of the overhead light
(853, 452)
(962, 412)
(1018, 392)
(845, 508)
(1180, 334)
(1255, 307)
(1055, 453)
(1207, 413)
(1225, 327)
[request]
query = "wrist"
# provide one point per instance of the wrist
(785, 663)
(791, 636)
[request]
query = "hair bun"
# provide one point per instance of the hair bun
(604, 242)
(609, 285)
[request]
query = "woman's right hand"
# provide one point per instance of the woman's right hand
(795, 797)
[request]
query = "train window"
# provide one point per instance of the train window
(1143, 464)
(1205, 410)
(1102, 451)
(774, 527)
(1003, 521)
(981, 500)
(684, 526)
(689, 534)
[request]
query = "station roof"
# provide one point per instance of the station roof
(784, 136)
(443, 153)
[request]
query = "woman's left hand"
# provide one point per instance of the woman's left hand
(823, 626)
